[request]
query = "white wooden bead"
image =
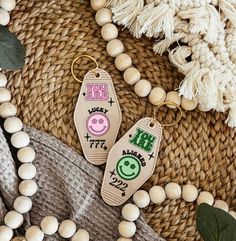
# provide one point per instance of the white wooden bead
(103, 16)
(173, 96)
(157, 194)
(115, 47)
(13, 219)
(203, 108)
(20, 139)
(141, 198)
(142, 88)
(4, 17)
(130, 212)
(189, 193)
(222, 205)
(5, 94)
(34, 233)
(28, 188)
(26, 154)
(109, 31)
(233, 214)
(81, 235)
(49, 225)
(123, 62)
(6, 233)
(127, 229)
(157, 96)
(22, 204)
(67, 228)
(173, 190)
(132, 76)
(7, 110)
(205, 197)
(8, 5)
(13, 124)
(188, 105)
(27, 171)
(124, 239)
(3, 80)
(98, 4)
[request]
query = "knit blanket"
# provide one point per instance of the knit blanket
(200, 38)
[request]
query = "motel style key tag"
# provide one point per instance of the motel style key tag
(131, 161)
(97, 116)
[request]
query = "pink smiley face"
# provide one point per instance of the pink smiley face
(98, 124)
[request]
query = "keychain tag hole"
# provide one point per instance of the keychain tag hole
(151, 124)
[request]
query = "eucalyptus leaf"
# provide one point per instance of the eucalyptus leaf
(12, 52)
(215, 224)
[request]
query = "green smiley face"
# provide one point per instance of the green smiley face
(128, 167)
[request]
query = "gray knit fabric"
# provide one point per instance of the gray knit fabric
(69, 187)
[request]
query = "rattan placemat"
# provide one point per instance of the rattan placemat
(200, 149)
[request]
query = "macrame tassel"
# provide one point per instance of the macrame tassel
(228, 9)
(161, 46)
(231, 120)
(154, 20)
(126, 12)
(113, 3)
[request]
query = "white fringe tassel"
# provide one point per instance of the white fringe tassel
(228, 9)
(125, 13)
(231, 120)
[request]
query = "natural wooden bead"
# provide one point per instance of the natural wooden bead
(142, 88)
(20, 139)
(205, 197)
(157, 194)
(34, 233)
(8, 5)
(233, 214)
(67, 228)
(141, 198)
(157, 96)
(173, 96)
(22, 204)
(188, 105)
(127, 229)
(81, 235)
(203, 108)
(13, 124)
(132, 76)
(109, 31)
(98, 4)
(3, 80)
(27, 171)
(7, 110)
(5, 94)
(124, 239)
(123, 62)
(6, 233)
(26, 154)
(13, 219)
(189, 193)
(130, 212)
(4, 17)
(28, 188)
(173, 190)
(222, 205)
(49, 225)
(103, 16)
(115, 47)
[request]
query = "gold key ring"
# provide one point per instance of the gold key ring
(79, 57)
(168, 103)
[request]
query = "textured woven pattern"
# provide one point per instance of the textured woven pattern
(199, 150)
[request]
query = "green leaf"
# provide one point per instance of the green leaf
(12, 52)
(215, 224)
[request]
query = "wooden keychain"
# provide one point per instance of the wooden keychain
(97, 113)
(132, 160)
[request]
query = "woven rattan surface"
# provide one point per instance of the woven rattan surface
(199, 150)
